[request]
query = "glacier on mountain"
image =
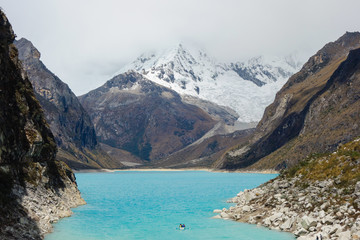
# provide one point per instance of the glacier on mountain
(247, 87)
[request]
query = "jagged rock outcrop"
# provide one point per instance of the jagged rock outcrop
(319, 197)
(35, 190)
(317, 109)
(71, 125)
(148, 120)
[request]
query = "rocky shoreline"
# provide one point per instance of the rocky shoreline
(39, 206)
(306, 211)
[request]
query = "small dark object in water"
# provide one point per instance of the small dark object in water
(181, 226)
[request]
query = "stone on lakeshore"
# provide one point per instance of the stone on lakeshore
(224, 215)
(344, 235)
(252, 220)
(357, 187)
(307, 222)
(321, 214)
(305, 238)
(301, 232)
(246, 208)
(285, 210)
(334, 229)
(322, 184)
(266, 222)
(284, 185)
(301, 199)
(287, 224)
(277, 196)
(319, 225)
(327, 220)
(240, 194)
(217, 211)
(275, 216)
(275, 185)
(356, 235)
(248, 196)
(308, 205)
(216, 217)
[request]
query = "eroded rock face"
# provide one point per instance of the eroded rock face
(71, 125)
(30, 178)
(134, 114)
(315, 111)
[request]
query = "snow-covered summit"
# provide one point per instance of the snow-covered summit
(262, 70)
(247, 87)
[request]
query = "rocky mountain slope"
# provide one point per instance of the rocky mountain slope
(205, 151)
(35, 190)
(317, 109)
(71, 125)
(246, 87)
(320, 196)
(148, 120)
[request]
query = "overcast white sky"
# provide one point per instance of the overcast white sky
(85, 42)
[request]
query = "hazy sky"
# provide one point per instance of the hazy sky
(85, 42)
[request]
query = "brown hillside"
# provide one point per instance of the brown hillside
(287, 119)
(148, 120)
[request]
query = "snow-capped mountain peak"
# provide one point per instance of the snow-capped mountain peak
(247, 87)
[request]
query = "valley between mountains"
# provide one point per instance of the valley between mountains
(174, 108)
(181, 108)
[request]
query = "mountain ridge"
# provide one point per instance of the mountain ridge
(193, 72)
(69, 122)
(285, 121)
(148, 120)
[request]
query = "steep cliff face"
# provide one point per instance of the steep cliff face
(71, 125)
(313, 112)
(150, 121)
(27, 154)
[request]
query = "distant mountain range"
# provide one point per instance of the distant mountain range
(246, 87)
(159, 105)
(174, 109)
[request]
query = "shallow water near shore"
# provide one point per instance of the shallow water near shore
(151, 205)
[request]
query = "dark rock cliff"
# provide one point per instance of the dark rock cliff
(71, 125)
(150, 121)
(311, 113)
(30, 178)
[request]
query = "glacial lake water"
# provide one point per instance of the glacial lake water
(151, 205)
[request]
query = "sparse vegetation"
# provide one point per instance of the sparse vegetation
(341, 166)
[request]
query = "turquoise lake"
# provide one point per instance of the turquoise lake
(151, 205)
